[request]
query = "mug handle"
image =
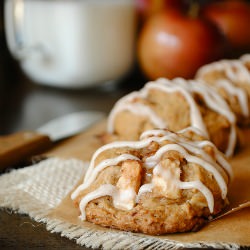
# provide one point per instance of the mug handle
(14, 18)
(14, 11)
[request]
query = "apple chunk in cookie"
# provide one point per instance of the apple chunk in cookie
(165, 182)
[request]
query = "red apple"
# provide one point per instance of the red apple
(233, 18)
(172, 44)
(147, 8)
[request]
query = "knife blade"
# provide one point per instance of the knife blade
(17, 147)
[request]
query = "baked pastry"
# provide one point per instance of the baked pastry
(231, 78)
(164, 183)
(175, 105)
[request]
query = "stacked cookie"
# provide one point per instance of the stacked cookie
(163, 169)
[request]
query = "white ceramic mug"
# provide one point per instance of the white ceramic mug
(71, 43)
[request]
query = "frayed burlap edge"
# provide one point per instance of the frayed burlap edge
(109, 240)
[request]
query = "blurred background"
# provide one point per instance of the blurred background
(26, 104)
(60, 67)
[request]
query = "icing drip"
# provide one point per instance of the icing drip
(203, 189)
(215, 102)
(236, 73)
(125, 102)
(212, 99)
(155, 159)
(102, 165)
(126, 198)
(128, 103)
(167, 87)
(187, 88)
(117, 144)
(137, 145)
(232, 90)
(192, 129)
(143, 110)
(146, 188)
(121, 198)
(170, 180)
(196, 147)
(245, 58)
(235, 70)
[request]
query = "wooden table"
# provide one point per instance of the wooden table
(26, 105)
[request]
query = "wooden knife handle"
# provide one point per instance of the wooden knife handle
(15, 148)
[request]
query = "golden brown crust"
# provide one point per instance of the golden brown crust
(159, 220)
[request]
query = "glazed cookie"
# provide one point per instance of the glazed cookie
(163, 183)
(175, 105)
(231, 78)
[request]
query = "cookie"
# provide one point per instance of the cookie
(165, 182)
(175, 105)
(231, 79)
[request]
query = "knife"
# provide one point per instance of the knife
(17, 147)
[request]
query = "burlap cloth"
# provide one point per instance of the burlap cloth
(42, 191)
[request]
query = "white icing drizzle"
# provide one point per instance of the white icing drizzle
(102, 165)
(153, 132)
(193, 146)
(139, 145)
(215, 102)
(125, 199)
(127, 103)
(187, 88)
(232, 142)
(245, 58)
(112, 145)
(194, 130)
(212, 99)
(171, 181)
(121, 198)
(125, 99)
(168, 87)
(235, 70)
(143, 110)
(203, 189)
(122, 104)
(155, 159)
(233, 90)
(146, 188)
(103, 190)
